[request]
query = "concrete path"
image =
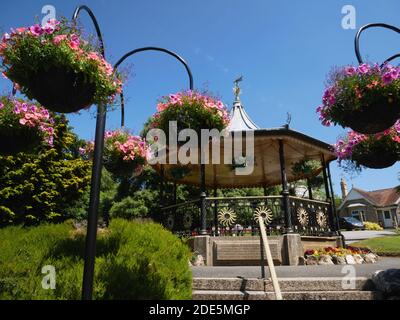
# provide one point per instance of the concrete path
(361, 270)
(352, 236)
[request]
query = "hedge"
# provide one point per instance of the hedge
(135, 260)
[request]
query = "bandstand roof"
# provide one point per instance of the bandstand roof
(267, 170)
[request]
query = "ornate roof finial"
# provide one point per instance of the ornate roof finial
(239, 119)
(236, 89)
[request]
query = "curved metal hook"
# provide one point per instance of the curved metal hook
(171, 53)
(371, 25)
(96, 25)
(392, 58)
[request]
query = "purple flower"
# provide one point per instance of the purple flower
(350, 70)
(17, 110)
(36, 30)
(53, 22)
(363, 68)
(329, 96)
(48, 28)
(24, 107)
(5, 37)
(1, 105)
(388, 77)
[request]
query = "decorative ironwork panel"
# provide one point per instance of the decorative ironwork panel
(239, 215)
(310, 217)
(183, 218)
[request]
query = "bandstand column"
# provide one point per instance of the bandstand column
(285, 190)
(216, 233)
(327, 192)
(310, 195)
(335, 215)
(203, 196)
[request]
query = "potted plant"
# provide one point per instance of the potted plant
(55, 66)
(365, 98)
(124, 154)
(376, 151)
(191, 110)
(23, 126)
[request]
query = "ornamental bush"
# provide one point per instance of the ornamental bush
(365, 98)
(35, 188)
(56, 66)
(134, 261)
(372, 226)
(191, 110)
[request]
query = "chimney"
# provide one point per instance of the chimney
(343, 186)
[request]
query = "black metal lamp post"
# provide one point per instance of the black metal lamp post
(90, 246)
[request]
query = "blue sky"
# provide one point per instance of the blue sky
(283, 48)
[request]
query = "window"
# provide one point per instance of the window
(359, 215)
(387, 215)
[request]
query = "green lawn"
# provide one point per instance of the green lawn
(386, 246)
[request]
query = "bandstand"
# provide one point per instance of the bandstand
(224, 230)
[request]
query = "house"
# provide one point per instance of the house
(379, 206)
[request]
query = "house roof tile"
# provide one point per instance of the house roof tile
(381, 198)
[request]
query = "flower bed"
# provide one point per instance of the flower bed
(365, 98)
(23, 126)
(339, 255)
(55, 66)
(191, 110)
(376, 151)
(124, 154)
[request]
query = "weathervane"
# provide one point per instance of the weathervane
(236, 89)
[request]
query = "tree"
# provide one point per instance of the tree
(39, 187)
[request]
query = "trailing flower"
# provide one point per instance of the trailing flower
(190, 109)
(124, 153)
(354, 93)
(23, 122)
(31, 51)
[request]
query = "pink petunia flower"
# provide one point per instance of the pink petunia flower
(36, 30)
(58, 39)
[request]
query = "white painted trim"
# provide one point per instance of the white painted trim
(353, 193)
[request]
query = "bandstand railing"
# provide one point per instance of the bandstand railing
(238, 216)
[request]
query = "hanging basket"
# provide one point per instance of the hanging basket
(376, 154)
(365, 98)
(54, 65)
(376, 160)
(374, 117)
(60, 89)
(124, 154)
(189, 110)
(23, 126)
(123, 169)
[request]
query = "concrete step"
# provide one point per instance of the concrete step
(286, 284)
(294, 295)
